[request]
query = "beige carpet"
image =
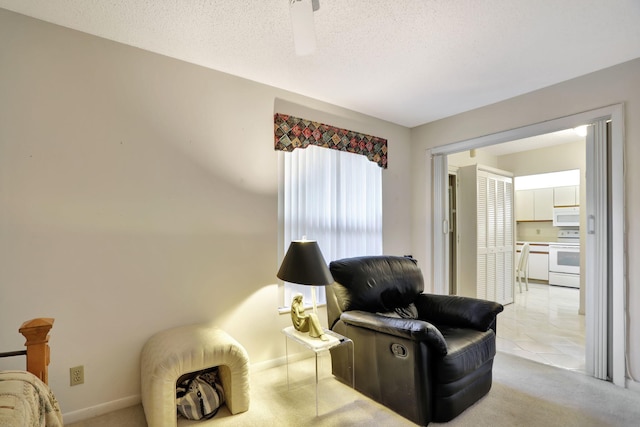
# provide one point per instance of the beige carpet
(524, 393)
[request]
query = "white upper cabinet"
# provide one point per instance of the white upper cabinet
(535, 205)
(566, 196)
(537, 195)
(543, 208)
(525, 205)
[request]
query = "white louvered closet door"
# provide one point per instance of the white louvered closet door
(482, 283)
(485, 233)
(491, 237)
(504, 239)
(495, 274)
(508, 248)
(500, 240)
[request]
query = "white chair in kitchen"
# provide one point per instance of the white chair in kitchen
(522, 271)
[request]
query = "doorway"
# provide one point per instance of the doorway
(605, 354)
(540, 322)
(453, 232)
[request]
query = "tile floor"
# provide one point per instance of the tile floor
(543, 324)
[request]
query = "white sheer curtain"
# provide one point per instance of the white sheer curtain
(335, 198)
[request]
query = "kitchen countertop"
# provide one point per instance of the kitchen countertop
(520, 242)
(531, 242)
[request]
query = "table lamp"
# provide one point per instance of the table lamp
(304, 264)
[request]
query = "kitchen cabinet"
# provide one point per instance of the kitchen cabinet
(539, 266)
(524, 205)
(534, 205)
(566, 196)
(486, 234)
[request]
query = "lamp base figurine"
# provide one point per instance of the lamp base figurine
(306, 322)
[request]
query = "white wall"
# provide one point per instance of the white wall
(547, 159)
(464, 158)
(138, 193)
(619, 84)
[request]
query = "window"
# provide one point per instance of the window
(334, 197)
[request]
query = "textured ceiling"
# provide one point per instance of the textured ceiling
(405, 61)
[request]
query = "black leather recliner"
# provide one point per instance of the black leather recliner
(427, 357)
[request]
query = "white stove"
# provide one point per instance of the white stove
(564, 259)
(569, 235)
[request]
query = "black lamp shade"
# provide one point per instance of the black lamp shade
(304, 264)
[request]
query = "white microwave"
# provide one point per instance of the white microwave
(566, 217)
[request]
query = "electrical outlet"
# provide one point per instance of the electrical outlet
(76, 375)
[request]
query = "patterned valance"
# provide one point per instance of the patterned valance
(293, 132)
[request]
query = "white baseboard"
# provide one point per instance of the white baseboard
(114, 405)
(267, 364)
(273, 363)
(101, 409)
(633, 385)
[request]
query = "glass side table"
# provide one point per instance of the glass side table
(317, 346)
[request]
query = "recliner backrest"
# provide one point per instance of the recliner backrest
(376, 283)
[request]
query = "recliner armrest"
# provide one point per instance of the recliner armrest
(457, 311)
(414, 329)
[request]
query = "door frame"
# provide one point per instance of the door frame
(615, 113)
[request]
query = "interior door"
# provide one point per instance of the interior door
(440, 232)
(598, 326)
